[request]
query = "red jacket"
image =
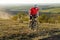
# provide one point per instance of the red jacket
(33, 11)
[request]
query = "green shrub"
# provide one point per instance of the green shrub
(43, 18)
(51, 20)
(14, 17)
(26, 19)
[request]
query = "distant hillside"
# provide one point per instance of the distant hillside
(53, 10)
(27, 7)
(7, 11)
(4, 15)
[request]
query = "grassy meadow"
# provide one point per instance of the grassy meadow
(17, 27)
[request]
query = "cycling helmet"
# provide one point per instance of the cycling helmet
(35, 6)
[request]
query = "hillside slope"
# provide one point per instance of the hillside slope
(4, 15)
(53, 10)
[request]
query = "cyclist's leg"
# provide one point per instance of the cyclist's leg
(35, 22)
(35, 16)
(30, 17)
(37, 25)
(30, 21)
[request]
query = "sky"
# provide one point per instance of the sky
(7, 2)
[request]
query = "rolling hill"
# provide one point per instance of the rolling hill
(53, 10)
(4, 15)
(6, 11)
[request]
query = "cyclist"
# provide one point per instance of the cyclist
(33, 12)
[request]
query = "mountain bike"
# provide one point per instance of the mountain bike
(33, 24)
